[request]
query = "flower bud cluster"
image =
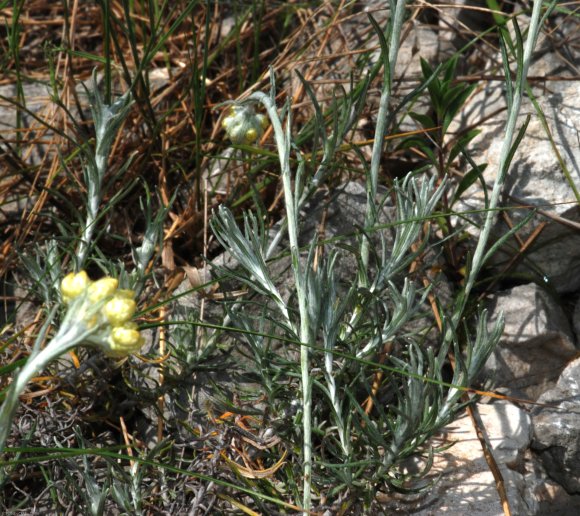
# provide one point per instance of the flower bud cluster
(243, 125)
(106, 309)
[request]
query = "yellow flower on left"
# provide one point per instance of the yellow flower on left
(106, 312)
(73, 285)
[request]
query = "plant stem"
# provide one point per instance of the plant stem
(283, 146)
(59, 344)
(381, 129)
(478, 256)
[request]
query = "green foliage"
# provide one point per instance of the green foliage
(290, 381)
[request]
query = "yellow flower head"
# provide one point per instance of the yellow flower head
(102, 289)
(73, 285)
(119, 309)
(124, 340)
(251, 135)
(105, 310)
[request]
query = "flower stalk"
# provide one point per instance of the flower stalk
(283, 145)
(382, 116)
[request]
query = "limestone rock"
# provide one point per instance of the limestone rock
(557, 429)
(555, 501)
(466, 484)
(510, 431)
(535, 179)
(536, 344)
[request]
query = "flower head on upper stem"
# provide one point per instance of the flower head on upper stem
(243, 125)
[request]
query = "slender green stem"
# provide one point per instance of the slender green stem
(94, 201)
(283, 146)
(478, 256)
(63, 341)
(378, 144)
(381, 128)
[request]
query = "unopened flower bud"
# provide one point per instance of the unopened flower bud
(230, 119)
(73, 285)
(263, 119)
(251, 135)
(243, 125)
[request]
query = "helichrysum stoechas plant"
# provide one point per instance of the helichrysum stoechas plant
(98, 313)
(341, 335)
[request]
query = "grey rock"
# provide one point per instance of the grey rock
(422, 42)
(510, 432)
(557, 429)
(465, 483)
(36, 96)
(576, 320)
(536, 344)
(417, 40)
(555, 57)
(36, 102)
(552, 498)
(535, 179)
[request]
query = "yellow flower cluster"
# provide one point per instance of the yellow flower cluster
(114, 316)
(243, 125)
